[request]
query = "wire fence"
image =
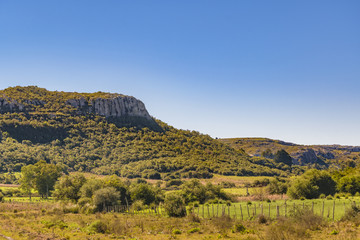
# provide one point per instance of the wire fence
(328, 209)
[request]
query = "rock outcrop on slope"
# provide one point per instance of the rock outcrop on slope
(26, 99)
(118, 106)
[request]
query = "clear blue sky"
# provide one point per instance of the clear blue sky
(287, 70)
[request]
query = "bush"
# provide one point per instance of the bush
(175, 205)
(176, 231)
(352, 214)
(98, 227)
(239, 228)
(194, 230)
(311, 184)
(105, 197)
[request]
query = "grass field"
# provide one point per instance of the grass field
(249, 210)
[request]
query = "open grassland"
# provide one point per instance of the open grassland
(50, 221)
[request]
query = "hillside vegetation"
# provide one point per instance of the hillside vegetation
(48, 128)
(319, 156)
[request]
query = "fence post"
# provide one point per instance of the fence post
(208, 211)
(262, 209)
(285, 208)
(203, 211)
(269, 211)
(242, 217)
(235, 211)
(312, 207)
(247, 205)
(213, 212)
(277, 211)
(217, 210)
(229, 211)
(334, 211)
(322, 211)
(255, 209)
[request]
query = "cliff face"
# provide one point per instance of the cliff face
(10, 105)
(119, 106)
(108, 105)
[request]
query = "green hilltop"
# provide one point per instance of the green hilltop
(91, 132)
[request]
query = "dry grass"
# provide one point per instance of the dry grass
(48, 221)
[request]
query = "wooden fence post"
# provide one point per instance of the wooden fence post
(334, 210)
(242, 217)
(312, 207)
(322, 211)
(285, 209)
(277, 211)
(235, 211)
(269, 211)
(247, 205)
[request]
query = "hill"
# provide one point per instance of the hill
(107, 133)
(320, 156)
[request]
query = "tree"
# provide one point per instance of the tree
(105, 197)
(40, 176)
(27, 180)
(175, 205)
(311, 184)
(68, 187)
(282, 156)
(350, 184)
(144, 192)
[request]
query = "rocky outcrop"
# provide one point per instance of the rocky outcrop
(118, 106)
(305, 157)
(10, 105)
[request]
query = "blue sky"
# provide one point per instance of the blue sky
(287, 70)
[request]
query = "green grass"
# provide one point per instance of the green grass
(241, 191)
(285, 208)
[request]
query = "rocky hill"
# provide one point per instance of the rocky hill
(107, 133)
(305, 155)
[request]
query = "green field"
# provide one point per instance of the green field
(245, 210)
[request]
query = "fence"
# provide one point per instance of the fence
(329, 209)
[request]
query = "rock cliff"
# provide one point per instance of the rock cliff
(26, 99)
(118, 106)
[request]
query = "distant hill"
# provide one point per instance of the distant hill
(306, 155)
(107, 133)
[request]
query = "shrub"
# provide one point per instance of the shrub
(262, 219)
(176, 231)
(98, 227)
(239, 228)
(194, 230)
(352, 214)
(311, 184)
(174, 182)
(105, 197)
(175, 205)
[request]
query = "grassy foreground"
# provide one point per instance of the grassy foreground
(56, 221)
